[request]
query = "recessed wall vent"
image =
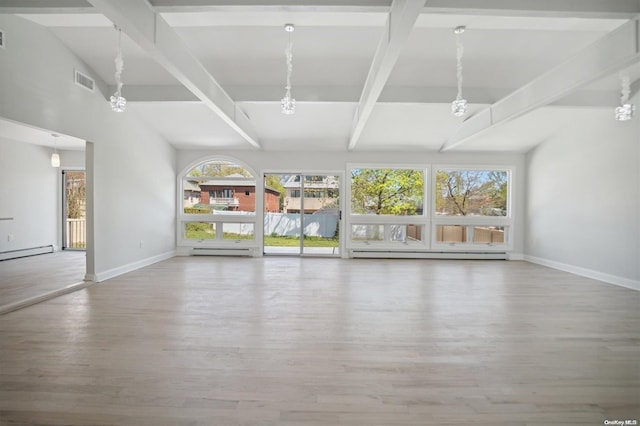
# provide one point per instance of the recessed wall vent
(2, 39)
(84, 81)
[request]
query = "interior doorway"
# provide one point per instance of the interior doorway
(302, 214)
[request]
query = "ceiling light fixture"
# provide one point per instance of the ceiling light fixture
(626, 109)
(459, 106)
(118, 103)
(288, 103)
(55, 157)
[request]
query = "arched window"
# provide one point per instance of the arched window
(218, 186)
(218, 204)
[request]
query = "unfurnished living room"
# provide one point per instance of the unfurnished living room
(366, 212)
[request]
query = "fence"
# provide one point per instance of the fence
(76, 234)
(288, 224)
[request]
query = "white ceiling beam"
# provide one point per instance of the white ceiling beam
(400, 22)
(45, 6)
(552, 8)
(609, 9)
(613, 52)
(351, 94)
(190, 6)
(152, 33)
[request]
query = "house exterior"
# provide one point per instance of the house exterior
(320, 192)
(191, 193)
(236, 193)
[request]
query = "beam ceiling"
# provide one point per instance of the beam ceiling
(594, 9)
(151, 32)
(401, 20)
(613, 52)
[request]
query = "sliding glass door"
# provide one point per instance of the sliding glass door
(302, 214)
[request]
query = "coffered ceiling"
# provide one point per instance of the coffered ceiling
(367, 74)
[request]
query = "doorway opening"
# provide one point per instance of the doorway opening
(301, 214)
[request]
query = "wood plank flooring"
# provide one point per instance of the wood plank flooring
(290, 341)
(30, 277)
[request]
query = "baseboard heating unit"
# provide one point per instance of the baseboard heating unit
(197, 251)
(32, 251)
(428, 255)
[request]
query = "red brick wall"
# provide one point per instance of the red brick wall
(271, 201)
(247, 203)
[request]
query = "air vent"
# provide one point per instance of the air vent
(84, 81)
(2, 39)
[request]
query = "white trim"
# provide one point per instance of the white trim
(44, 297)
(111, 273)
(416, 254)
(584, 272)
(216, 251)
(515, 256)
(510, 169)
(31, 251)
(309, 172)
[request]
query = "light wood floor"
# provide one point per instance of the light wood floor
(29, 277)
(289, 341)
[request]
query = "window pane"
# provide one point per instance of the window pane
(406, 233)
(237, 231)
(471, 192)
(488, 234)
(218, 186)
(200, 231)
(451, 234)
(367, 232)
(397, 192)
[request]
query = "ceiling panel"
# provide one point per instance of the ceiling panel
(187, 124)
(410, 126)
(242, 47)
(529, 130)
(315, 126)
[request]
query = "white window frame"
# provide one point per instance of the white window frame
(218, 219)
(310, 172)
(388, 220)
(472, 221)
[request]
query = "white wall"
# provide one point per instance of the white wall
(292, 161)
(132, 169)
(28, 188)
(583, 198)
(134, 197)
(72, 159)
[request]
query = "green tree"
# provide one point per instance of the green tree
(387, 191)
(218, 169)
(463, 192)
(75, 193)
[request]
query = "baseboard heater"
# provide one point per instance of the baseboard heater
(197, 251)
(428, 255)
(32, 251)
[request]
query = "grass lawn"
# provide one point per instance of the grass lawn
(272, 241)
(269, 240)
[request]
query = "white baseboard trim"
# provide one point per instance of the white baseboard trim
(183, 251)
(515, 256)
(588, 273)
(43, 297)
(130, 267)
(32, 251)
